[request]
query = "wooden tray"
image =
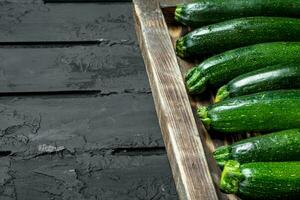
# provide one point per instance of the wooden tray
(189, 146)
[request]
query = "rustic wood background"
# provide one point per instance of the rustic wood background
(77, 120)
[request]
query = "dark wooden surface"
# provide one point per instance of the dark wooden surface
(34, 21)
(77, 120)
(107, 68)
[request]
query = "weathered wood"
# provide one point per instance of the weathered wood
(34, 125)
(87, 177)
(34, 21)
(185, 149)
(109, 67)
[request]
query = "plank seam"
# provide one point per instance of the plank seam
(55, 44)
(97, 93)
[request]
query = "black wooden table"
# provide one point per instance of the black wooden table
(77, 120)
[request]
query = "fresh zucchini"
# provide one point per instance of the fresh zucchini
(262, 180)
(235, 33)
(204, 12)
(278, 146)
(270, 78)
(265, 111)
(218, 70)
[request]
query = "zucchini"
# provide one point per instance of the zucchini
(265, 111)
(262, 180)
(218, 70)
(269, 78)
(205, 12)
(235, 33)
(278, 146)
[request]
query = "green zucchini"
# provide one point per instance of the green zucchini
(278, 146)
(218, 70)
(265, 112)
(204, 12)
(270, 78)
(262, 180)
(235, 33)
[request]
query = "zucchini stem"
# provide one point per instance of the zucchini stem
(222, 94)
(231, 177)
(178, 12)
(195, 81)
(222, 155)
(203, 114)
(180, 48)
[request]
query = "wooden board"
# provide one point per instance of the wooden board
(82, 147)
(30, 125)
(87, 177)
(33, 21)
(61, 68)
(188, 144)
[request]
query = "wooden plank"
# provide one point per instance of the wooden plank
(185, 149)
(88, 177)
(34, 125)
(108, 67)
(34, 21)
(134, 177)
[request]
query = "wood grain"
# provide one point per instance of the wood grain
(185, 149)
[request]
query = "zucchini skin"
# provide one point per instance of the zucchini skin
(262, 180)
(278, 146)
(265, 79)
(220, 69)
(204, 12)
(263, 112)
(236, 33)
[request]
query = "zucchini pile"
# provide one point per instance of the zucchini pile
(252, 62)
